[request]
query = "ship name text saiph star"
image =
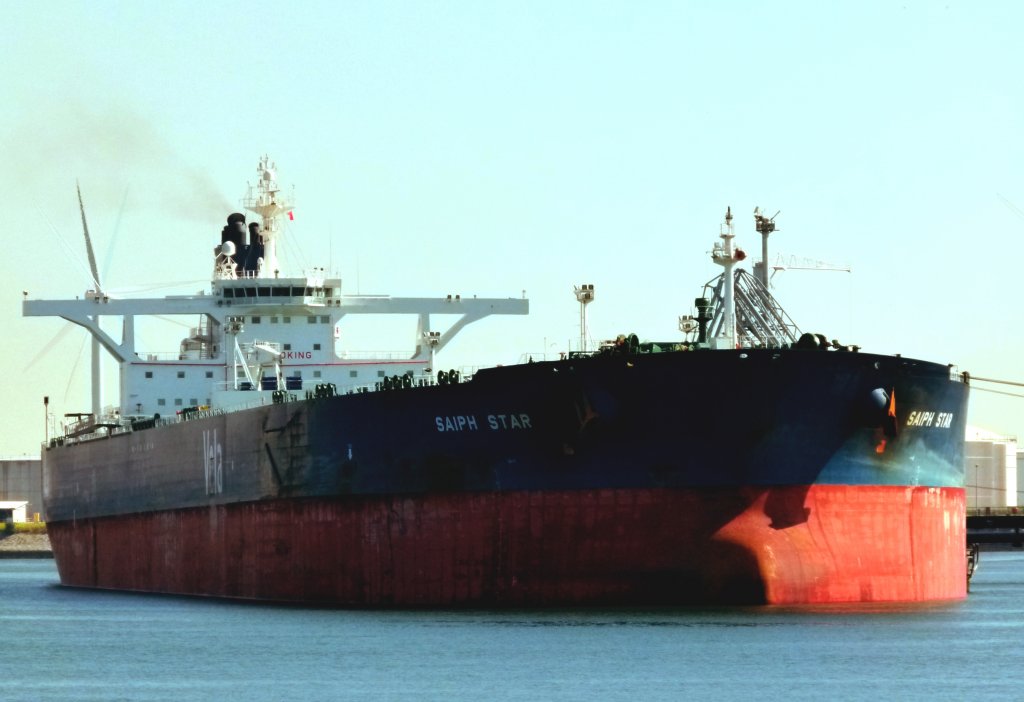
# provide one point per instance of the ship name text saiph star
(493, 422)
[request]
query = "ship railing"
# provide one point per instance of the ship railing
(191, 413)
(244, 385)
(995, 512)
(452, 376)
(559, 356)
(90, 430)
(354, 355)
(171, 356)
(538, 356)
(80, 426)
(128, 424)
(315, 276)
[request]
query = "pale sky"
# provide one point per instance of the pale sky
(490, 148)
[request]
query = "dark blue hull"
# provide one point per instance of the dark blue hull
(763, 445)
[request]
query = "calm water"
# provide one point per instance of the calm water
(62, 644)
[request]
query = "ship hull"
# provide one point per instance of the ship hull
(608, 547)
(639, 480)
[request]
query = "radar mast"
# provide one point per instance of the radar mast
(266, 200)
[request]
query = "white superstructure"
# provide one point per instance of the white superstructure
(260, 333)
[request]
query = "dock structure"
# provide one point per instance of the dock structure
(996, 526)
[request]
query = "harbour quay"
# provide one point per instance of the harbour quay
(996, 526)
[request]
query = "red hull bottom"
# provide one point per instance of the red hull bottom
(799, 545)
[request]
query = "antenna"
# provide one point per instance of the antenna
(585, 295)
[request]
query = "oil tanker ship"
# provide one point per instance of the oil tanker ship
(266, 460)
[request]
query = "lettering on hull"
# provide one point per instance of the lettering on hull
(493, 422)
(938, 420)
(213, 462)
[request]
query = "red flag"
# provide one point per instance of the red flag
(291, 216)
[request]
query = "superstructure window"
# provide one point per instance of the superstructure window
(316, 347)
(286, 320)
(286, 347)
(273, 320)
(380, 374)
(193, 401)
(311, 319)
(181, 374)
(316, 374)
(178, 402)
(149, 374)
(161, 402)
(255, 319)
(324, 319)
(353, 374)
(209, 374)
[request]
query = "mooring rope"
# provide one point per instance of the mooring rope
(998, 392)
(1001, 382)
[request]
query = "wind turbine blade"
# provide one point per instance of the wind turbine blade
(71, 251)
(1013, 208)
(74, 368)
(51, 344)
(113, 238)
(172, 320)
(88, 241)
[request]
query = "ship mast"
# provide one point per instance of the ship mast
(765, 226)
(266, 200)
(585, 295)
(726, 256)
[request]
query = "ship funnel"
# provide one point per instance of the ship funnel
(254, 254)
(703, 306)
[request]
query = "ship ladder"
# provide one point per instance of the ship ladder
(973, 556)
